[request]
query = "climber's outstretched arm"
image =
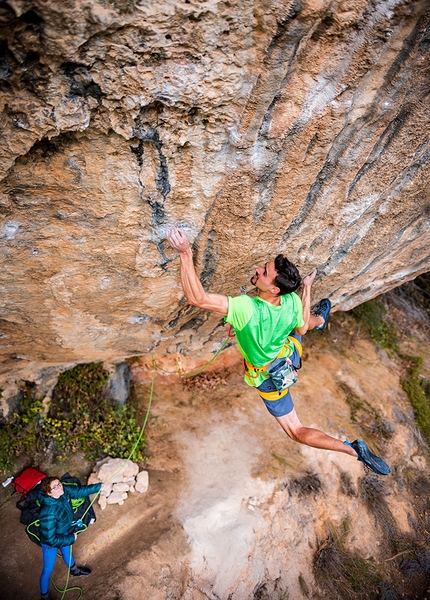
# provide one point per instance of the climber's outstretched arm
(306, 302)
(193, 289)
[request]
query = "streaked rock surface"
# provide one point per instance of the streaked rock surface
(298, 126)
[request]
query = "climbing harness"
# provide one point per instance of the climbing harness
(281, 370)
(263, 370)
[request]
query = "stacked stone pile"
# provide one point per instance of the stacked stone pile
(120, 476)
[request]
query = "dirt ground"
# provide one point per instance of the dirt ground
(223, 517)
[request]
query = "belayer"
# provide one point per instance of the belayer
(56, 519)
(269, 330)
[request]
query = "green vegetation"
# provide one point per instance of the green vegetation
(373, 315)
(304, 586)
(346, 485)
(20, 435)
(374, 493)
(383, 332)
(418, 391)
(306, 485)
(79, 418)
(368, 418)
(346, 574)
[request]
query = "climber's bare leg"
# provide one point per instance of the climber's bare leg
(292, 426)
(315, 321)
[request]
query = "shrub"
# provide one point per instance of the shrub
(345, 573)
(79, 418)
(21, 434)
(373, 315)
(368, 418)
(418, 391)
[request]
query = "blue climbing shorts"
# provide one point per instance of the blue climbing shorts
(283, 406)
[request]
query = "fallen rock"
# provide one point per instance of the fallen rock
(101, 462)
(119, 477)
(142, 482)
(129, 480)
(93, 479)
(116, 498)
(131, 470)
(113, 470)
(107, 488)
(120, 487)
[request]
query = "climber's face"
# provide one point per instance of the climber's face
(264, 277)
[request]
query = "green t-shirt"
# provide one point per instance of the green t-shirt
(262, 328)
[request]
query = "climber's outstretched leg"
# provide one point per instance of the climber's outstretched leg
(292, 426)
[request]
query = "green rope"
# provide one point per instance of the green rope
(177, 372)
(37, 523)
(151, 394)
(67, 589)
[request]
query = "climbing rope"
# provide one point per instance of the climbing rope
(155, 367)
(178, 371)
(136, 444)
(66, 588)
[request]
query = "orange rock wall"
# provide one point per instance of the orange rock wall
(260, 127)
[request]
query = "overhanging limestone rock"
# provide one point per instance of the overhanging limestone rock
(299, 127)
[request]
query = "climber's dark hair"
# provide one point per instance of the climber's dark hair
(288, 277)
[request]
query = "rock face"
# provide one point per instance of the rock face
(297, 127)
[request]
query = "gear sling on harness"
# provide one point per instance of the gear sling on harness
(281, 370)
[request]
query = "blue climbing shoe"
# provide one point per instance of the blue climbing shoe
(370, 460)
(323, 310)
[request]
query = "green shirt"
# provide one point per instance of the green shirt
(262, 328)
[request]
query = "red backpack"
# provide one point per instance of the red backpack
(27, 480)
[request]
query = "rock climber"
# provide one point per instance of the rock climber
(267, 327)
(56, 518)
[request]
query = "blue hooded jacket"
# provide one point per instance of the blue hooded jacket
(56, 515)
